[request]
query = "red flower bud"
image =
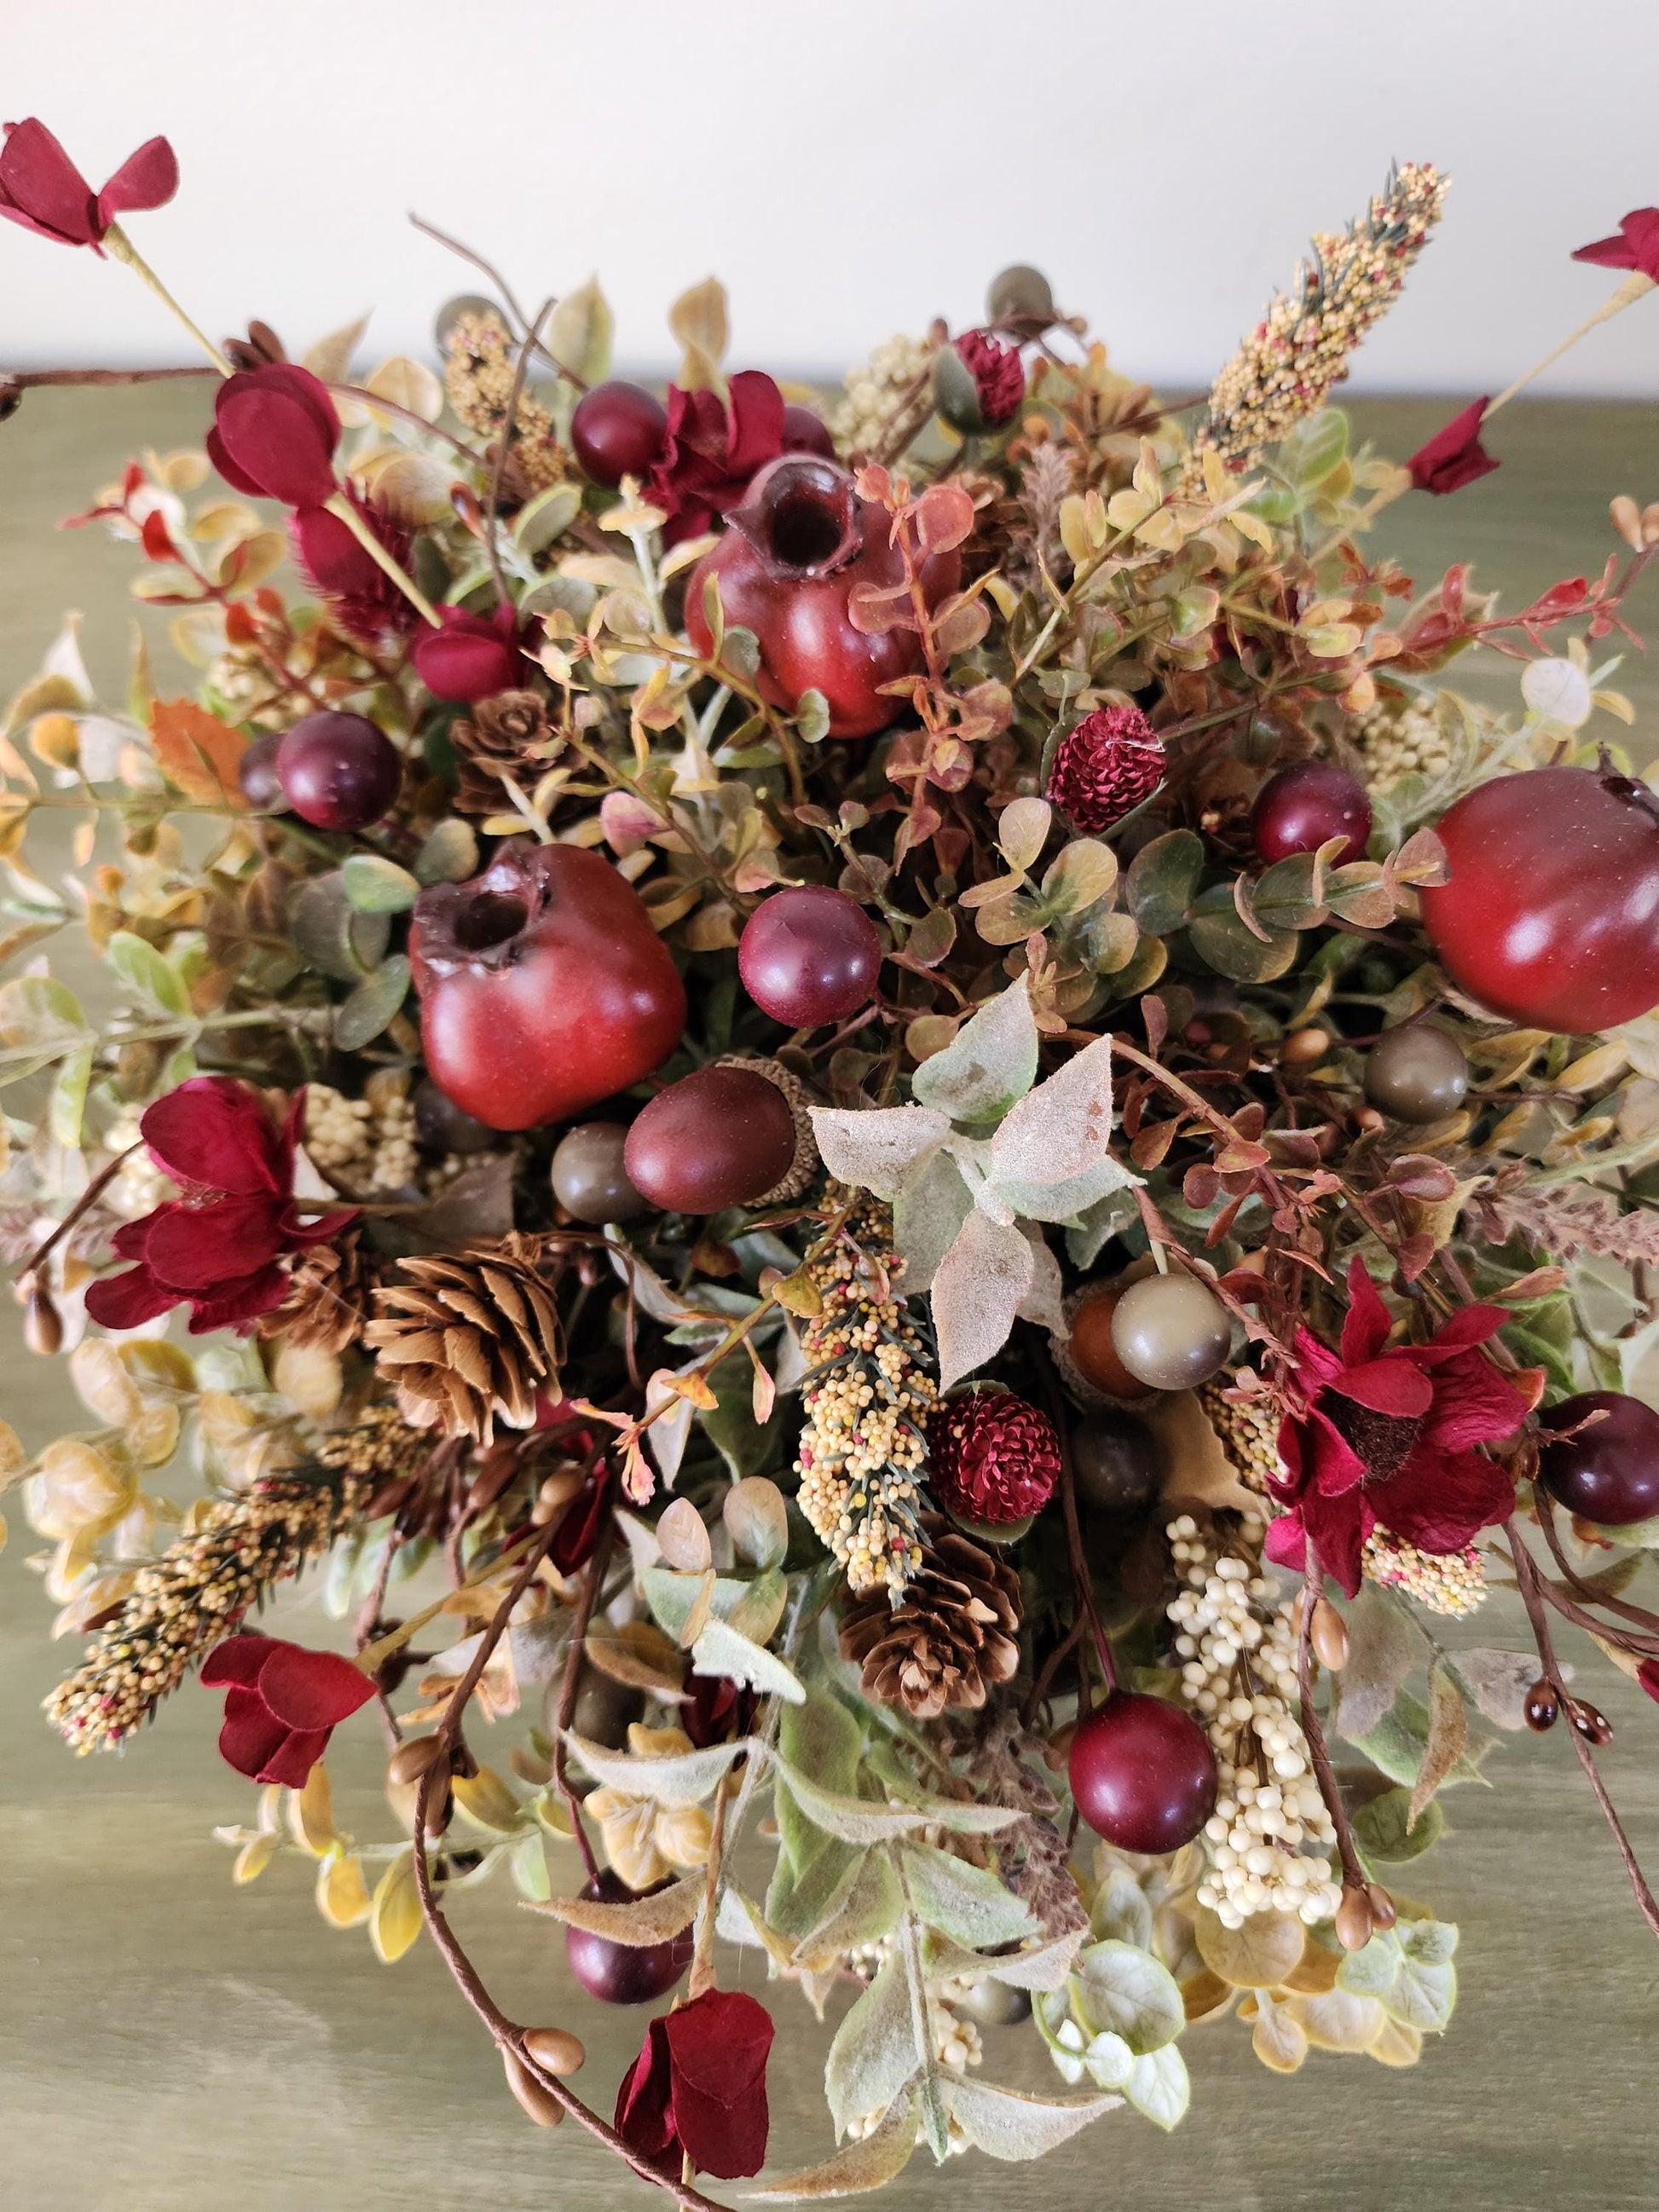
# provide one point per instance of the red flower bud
(1635, 245)
(698, 2087)
(999, 375)
(1453, 457)
(471, 658)
(41, 188)
(991, 1456)
(1104, 768)
(274, 434)
(284, 1702)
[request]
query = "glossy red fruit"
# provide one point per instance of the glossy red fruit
(1143, 1773)
(624, 1973)
(338, 771)
(1551, 915)
(543, 987)
(1301, 808)
(617, 430)
(716, 1139)
(798, 548)
(1609, 1472)
(804, 432)
(810, 954)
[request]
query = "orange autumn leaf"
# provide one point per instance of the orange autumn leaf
(197, 753)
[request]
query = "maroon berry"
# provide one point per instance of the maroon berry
(624, 1973)
(1104, 768)
(809, 955)
(804, 432)
(716, 1139)
(338, 771)
(257, 773)
(1143, 1774)
(617, 430)
(1542, 1708)
(992, 1458)
(1608, 1472)
(1301, 809)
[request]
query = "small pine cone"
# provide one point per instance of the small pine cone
(804, 1169)
(507, 731)
(328, 1296)
(1104, 768)
(991, 1456)
(468, 1338)
(955, 1633)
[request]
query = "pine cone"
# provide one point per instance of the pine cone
(502, 733)
(468, 1338)
(955, 1634)
(328, 1296)
(1104, 768)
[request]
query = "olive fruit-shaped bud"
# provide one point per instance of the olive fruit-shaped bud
(1171, 1332)
(1116, 1465)
(43, 1325)
(1608, 1471)
(538, 2099)
(1355, 1920)
(993, 2004)
(1020, 293)
(1417, 1072)
(1142, 1773)
(554, 2050)
(623, 1973)
(716, 1139)
(1093, 1352)
(1328, 1634)
(1590, 1722)
(589, 1179)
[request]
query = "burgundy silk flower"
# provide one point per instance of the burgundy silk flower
(274, 434)
(712, 450)
(999, 375)
(472, 657)
(283, 1704)
(1453, 457)
(1635, 245)
(41, 188)
(698, 2086)
(217, 1248)
(1387, 1435)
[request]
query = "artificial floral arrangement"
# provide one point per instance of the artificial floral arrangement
(907, 1099)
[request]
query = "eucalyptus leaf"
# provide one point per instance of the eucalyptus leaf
(1221, 940)
(377, 886)
(153, 979)
(375, 1003)
(1162, 880)
(1121, 1911)
(1117, 1986)
(1006, 2124)
(449, 855)
(969, 1904)
(990, 1063)
(879, 1150)
(874, 2057)
(1159, 2087)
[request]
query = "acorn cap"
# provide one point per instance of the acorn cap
(805, 1167)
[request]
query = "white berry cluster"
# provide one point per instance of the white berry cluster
(363, 1144)
(1267, 1839)
(878, 394)
(1400, 736)
(1453, 1584)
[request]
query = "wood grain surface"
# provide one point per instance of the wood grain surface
(170, 2044)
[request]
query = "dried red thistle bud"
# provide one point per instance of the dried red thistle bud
(283, 1703)
(274, 434)
(339, 568)
(1453, 457)
(999, 375)
(41, 188)
(991, 1456)
(1105, 767)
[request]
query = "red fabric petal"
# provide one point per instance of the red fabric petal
(292, 1760)
(468, 660)
(1392, 1384)
(643, 2117)
(1473, 1405)
(1284, 1544)
(1468, 1327)
(320, 1229)
(1453, 457)
(278, 428)
(718, 2046)
(310, 1690)
(239, 1304)
(214, 1131)
(196, 1247)
(1648, 1675)
(1314, 1360)
(1337, 1528)
(1636, 245)
(41, 188)
(129, 1301)
(1440, 1500)
(238, 478)
(1331, 1463)
(1366, 1324)
(250, 1738)
(754, 407)
(147, 178)
(238, 1660)
(333, 562)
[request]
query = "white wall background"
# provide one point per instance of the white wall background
(849, 166)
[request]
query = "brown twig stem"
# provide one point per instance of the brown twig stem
(1353, 1873)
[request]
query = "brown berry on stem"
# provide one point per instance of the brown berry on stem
(1355, 1919)
(1172, 1331)
(1093, 1350)
(1543, 1707)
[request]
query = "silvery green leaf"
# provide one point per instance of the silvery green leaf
(1424, 1996)
(967, 1902)
(1427, 1942)
(1108, 2061)
(450, 854)
(1498, 1681)
(1397, 1744)
(152, 978)
(1045, 1301)
(927, 1214)
(1122, 1912)
(68, 1107)
(360, 1019)
(866, 1907)
(1159, 2087)
(1062, 1203)
(1096, 1225)
(1116, 1986)
(682, 1777)
(721, 1651)
(978, 1290)
(580, 331)
(1007, 2125)
(547, 516)
(1063, 1128)
(880, 1148)
(964, 1819)
(850, 1820)
(1384, 1646)
(1043, 1966)
(822, 1741)
(990, 1062)
(874, 2056)
(1373, 1970)
(1386, 1833)
(868, 2164)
